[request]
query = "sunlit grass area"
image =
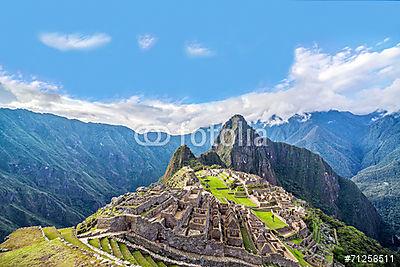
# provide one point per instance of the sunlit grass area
(105, 245)
(51, 232)
(69, 236)
(29, 248)
(299, 256)
(126, 253)
(95, 242)
(272, 222)
(219, 189)
(23, 237)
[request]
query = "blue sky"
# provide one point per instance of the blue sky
(198, 52)
(253, 43)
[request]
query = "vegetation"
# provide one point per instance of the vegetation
(105, 245)
(69, 236)
(51, 232)
(29, 248)
(219, 189)
(23, 237)
(247, 241)
(141, 260)
(71, 153)
(95, 242)
(126, 253)
(296, 241)
(350, 240)
(299, 256)
(151, 261)
(115, 249)
(270, 220)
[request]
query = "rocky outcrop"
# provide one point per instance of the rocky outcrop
(238, 146)
(211, 158)
(299, 171)
(183, 156)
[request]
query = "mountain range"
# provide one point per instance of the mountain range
(299, 171)
(363, 148)
(56, 171)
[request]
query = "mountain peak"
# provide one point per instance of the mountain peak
(182, 157)
(235, 132)
(237, 121)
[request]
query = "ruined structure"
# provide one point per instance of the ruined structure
(189, 224)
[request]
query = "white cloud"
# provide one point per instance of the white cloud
(146, 41)
(195, 49)
(357, 80)
(387, 39)
(74, 41)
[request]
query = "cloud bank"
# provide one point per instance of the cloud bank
(74, 41)
(360, 80)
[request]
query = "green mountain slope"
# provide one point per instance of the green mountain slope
(380, 180)
(299, 171)
(57, 171)
(364, 146)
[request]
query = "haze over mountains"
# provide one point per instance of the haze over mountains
(57, 171)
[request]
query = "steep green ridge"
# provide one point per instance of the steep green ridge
(299, 171)
(380, 180)
(364, 146)
(350, 240)
(56, 171)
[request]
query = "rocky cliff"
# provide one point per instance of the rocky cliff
(183, 156)
(299, 171)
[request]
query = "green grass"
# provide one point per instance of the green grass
(151, 261)
(161, 264)
(115, 249)
(219, 189)
(23, 237)
(248, 243)
(299, 256)
(266, 217)
(51, 232)
(329, 258)
(140, 259)
(46, 253)
(69, 236)
(95, 242)
(126, 253)
(316, 230)
(296, 241)
(104, 242)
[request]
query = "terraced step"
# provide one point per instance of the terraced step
(105, 245)
(161, 264)
(51, 232)
(141, 260)
(115, 249)
(151, 261)
(69, 236)
(126, 253)
(95, 242)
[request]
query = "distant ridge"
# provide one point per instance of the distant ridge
(299, 171)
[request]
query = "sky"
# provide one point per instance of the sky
(180, 65)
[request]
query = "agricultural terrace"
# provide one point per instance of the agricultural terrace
(220, 190)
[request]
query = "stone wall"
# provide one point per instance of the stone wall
(113, 224)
